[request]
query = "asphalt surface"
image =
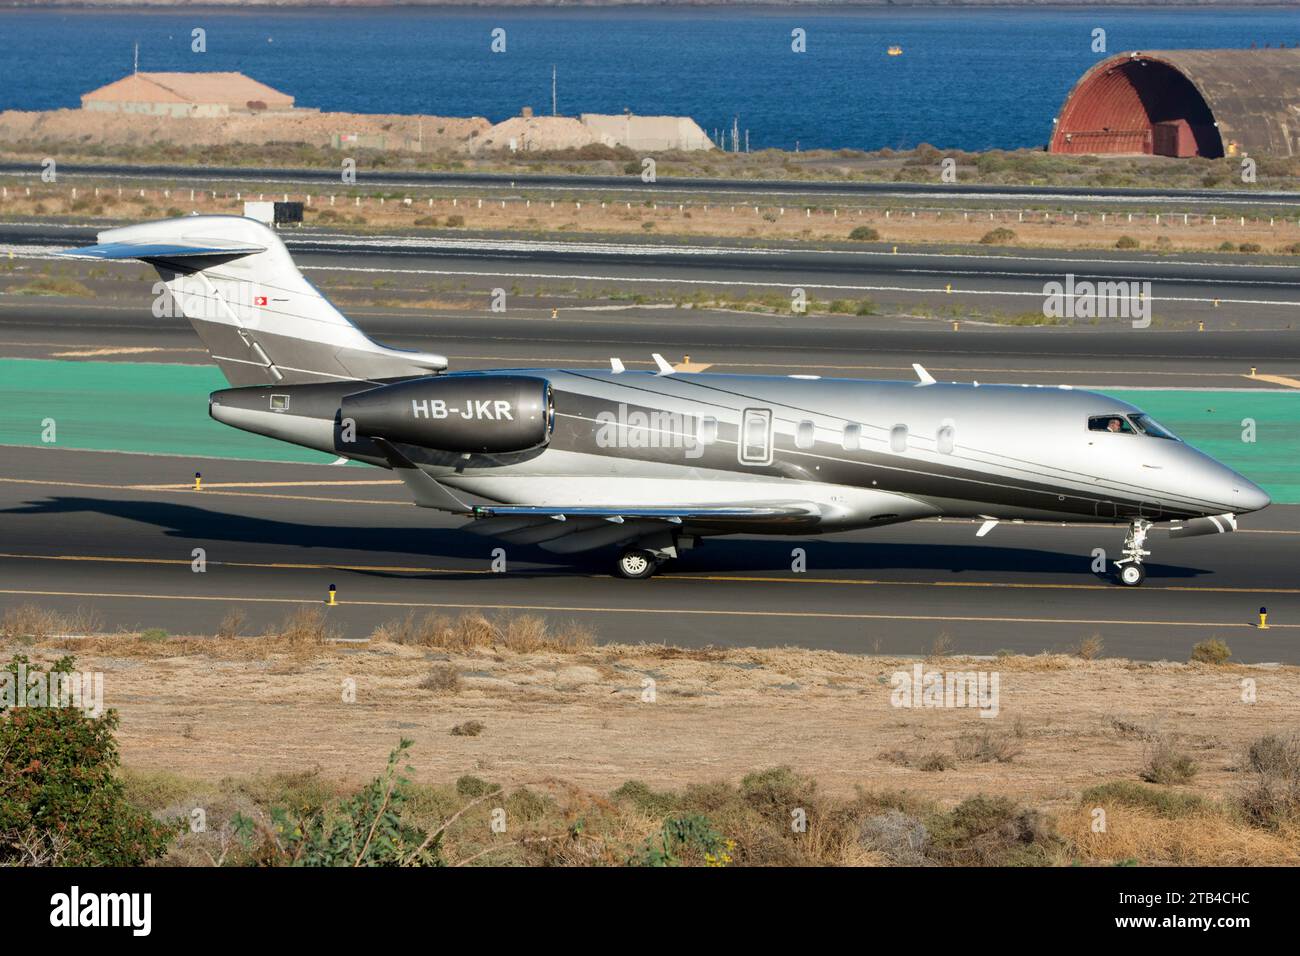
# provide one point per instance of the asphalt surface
(818, 345)
(116, 534)
(666, 185)
(1222, 292)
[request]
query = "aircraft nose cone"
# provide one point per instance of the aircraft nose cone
(1248, 496)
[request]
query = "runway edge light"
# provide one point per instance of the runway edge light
(198, 481)
(1263, 619)
(332, 600)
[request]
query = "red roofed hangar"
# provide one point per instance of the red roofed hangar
(1208, 103)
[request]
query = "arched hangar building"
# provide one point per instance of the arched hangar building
(1207, 103)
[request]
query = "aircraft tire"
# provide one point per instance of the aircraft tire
(636, 564)
(1132, 575)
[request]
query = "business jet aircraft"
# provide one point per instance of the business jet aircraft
(652, 462)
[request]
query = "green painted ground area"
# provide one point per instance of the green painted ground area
(127, 406)
(146, 407)
(1212, 421)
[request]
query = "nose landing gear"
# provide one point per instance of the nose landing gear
(1130, 571)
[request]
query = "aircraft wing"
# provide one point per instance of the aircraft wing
(567, 530)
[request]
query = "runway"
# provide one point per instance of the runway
(116, 533)
(56, 328)
(1224, 292)
(740, 188)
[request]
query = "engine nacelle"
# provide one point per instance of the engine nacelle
(471, 413)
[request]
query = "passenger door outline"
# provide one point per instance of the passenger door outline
(755, 452)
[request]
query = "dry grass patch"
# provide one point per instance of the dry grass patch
(30, 623)
(523, 634)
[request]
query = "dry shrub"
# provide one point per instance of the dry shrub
(1271, 797)
(986, 746)
(936, 763)
(1128, 727)
(992, 831)
(1213, 651)
(942, 646)
(1090, 648)
(1166, 764)
(901, 838)
(231, 625)
(443, 679)
(470, 728)
(303, 630)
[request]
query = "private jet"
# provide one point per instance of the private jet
(653, 462)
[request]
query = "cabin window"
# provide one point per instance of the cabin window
(851, 440)
(279, 403)
(943, 441)
(1149, 426)
(805, 435)
(706, 433)
(898, 439)
(1115, 424)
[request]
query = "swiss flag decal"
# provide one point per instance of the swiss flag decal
(259, 300)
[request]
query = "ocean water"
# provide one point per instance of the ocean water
(969, 79)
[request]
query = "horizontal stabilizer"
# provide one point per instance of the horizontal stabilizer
(190, 248)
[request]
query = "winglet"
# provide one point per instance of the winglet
(616, 365)
(664, 367)
(925, 377)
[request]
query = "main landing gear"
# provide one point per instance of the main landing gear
(1129, 568)
(637, 563)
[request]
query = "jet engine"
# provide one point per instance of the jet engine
(457, 413)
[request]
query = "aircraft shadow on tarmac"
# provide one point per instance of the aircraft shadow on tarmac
(202, 527)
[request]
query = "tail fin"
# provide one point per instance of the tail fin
(260, 319)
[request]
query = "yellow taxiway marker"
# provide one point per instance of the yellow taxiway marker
(705, 612)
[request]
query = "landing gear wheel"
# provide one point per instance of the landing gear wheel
(636, 564)
(1132, 575)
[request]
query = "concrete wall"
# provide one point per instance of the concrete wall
(157, 109)
(649, 133)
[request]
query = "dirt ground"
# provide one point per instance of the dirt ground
(357, 209)
(212, 708)
(305, 126)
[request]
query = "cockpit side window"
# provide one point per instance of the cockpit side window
(1115, 424)
(1149, 426)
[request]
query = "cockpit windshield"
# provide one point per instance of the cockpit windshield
(1149, 426)
(1138, 423)
(1115, 424)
